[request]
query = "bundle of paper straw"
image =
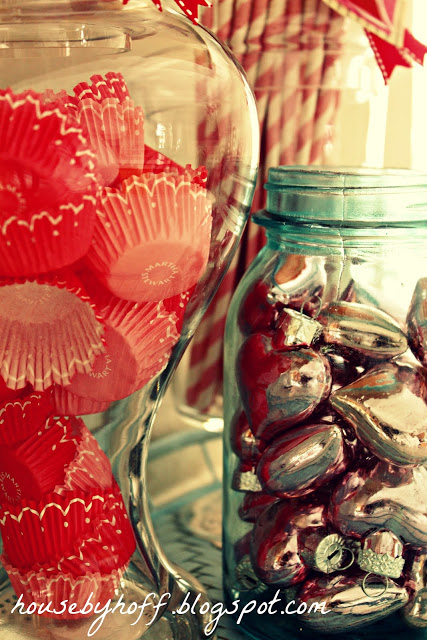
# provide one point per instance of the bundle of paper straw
(289, 49)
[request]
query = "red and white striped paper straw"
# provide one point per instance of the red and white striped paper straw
(294, 115)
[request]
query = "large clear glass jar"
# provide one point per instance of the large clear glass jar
(321, 100)
(128, 156)
(325, 397)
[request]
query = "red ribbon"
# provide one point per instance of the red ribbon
(384, 18)
(189, 7)
(383, 22)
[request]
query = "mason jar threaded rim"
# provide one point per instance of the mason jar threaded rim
(353, 197)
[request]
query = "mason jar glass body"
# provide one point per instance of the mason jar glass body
(325, 410)
(129, 149)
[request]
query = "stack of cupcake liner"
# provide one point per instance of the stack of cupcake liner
(80, 204)
(103, 240)
(63, 522)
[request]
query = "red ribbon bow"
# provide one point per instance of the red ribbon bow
(383, 20)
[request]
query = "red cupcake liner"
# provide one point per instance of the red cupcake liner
(51, 126)
(43, 531)
(50, 241)
(112, 86)
(9, 395)
(37, 465)
(178, 305)
(22, 417)
(104, 552)
(109, 546)
(197, 176)
(156, 162)
(48, 331)
(44, 587)
(89, 469)
(116, 134)
(65, 101)
(48, 187)
(138, 340)
(68, 404)
(152, 238)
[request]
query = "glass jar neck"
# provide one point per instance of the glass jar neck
(368, 242)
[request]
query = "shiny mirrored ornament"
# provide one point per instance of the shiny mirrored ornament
(294, 329)
(382, 497)
(247, 578)
(299, 282)
(388, 409)
(302, 460)
(279, 389)
(359, 330)
(243, 442)
(415, 612)
(350, 600)
(275, 545)
(259, 312)
(325, 552)
(245, 478)
(381, 553)
(417, 321)
(253, 504)
(343, 369)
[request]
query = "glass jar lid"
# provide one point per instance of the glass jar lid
(347, 196)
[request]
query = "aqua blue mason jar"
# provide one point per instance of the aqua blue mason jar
(325, 485)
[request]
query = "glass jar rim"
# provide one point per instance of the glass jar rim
(346, 196)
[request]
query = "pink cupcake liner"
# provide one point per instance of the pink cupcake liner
(36, 466)
(48, 185)
(68, 404)
(116, 133)
(152, 238)
(48, 331)
(89, 469)
(22, 417)
(43, 531)
(112, 86)
(44, 587)
(138, 340)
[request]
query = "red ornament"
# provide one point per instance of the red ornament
(260, 309)
(275, 545)
(279, 388)
(253, 505)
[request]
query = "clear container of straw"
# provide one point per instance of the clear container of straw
(321, 100)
